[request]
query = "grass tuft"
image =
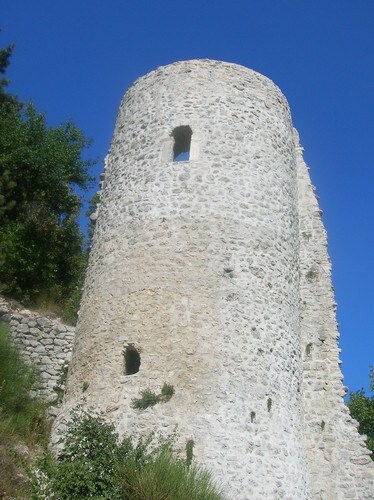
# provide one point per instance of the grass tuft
(166, 478)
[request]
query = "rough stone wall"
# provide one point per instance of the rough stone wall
(43, 341)
(195, 266)
(195, 263)
(339, 463)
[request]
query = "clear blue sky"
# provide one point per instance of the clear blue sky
(75, 59)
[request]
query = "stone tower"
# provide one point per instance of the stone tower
(209, 272)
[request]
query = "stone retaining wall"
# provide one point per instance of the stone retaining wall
(43, 341)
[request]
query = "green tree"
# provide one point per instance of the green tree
(4, 82)
(362, 409)
(41, 245)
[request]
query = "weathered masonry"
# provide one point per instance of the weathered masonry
(209, 272)
(43, 341)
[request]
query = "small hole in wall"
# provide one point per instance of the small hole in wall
(182, 143)
(132, 360)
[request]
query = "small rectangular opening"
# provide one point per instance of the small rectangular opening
(182, 143)
(132, 360)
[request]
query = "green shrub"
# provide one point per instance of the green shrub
(86, 467)
(96, 464)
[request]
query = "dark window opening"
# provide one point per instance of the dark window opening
(182, 143)
(132, 360)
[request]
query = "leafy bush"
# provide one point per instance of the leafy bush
(96, 464)
(86, 467)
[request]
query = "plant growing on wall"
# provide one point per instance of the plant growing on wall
(149, 398)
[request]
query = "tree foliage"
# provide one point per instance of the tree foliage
(361, 407)
(41, 244)
(4, 82)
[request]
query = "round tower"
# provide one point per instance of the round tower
(193, 276)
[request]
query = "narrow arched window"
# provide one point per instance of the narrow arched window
(182, 143)
(132, 360)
